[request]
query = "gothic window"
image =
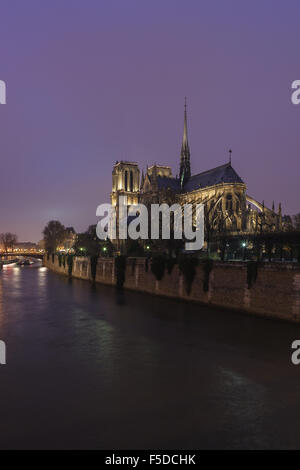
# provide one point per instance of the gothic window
(237, 206)
(131, 181)
(229, 202)
(126, 180)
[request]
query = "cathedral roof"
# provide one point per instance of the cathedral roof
(164, 182)
(221, 174)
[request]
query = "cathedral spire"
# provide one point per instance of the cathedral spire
(185, 165)
(185, 138)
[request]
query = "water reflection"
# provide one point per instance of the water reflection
(123, 369)
(42, 278)
(1, 304)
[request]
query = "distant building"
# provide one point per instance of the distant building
(25, 247)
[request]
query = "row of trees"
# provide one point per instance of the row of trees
(8, 240)
(257, 246)
(86, 243)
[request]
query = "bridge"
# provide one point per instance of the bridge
(19, 254)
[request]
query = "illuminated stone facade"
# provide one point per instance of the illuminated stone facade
(221, 190)
(125, 182)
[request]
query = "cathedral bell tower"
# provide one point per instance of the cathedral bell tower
(185, 164)
(125, 182)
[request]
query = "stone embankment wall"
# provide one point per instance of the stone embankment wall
(274, 293)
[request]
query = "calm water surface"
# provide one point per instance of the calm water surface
(88, 367)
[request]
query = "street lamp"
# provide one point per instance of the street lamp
(244, 244)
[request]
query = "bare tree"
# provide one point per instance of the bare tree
(8, 241)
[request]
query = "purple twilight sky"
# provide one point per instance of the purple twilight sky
(90, 82)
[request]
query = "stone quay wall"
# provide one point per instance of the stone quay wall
(275, 293)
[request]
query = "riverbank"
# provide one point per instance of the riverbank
(273, 291)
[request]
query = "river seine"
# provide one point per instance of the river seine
(90, 367)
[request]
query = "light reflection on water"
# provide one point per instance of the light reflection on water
(91, 367)
(1, 306)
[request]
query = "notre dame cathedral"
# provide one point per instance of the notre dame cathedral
(228, 207)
